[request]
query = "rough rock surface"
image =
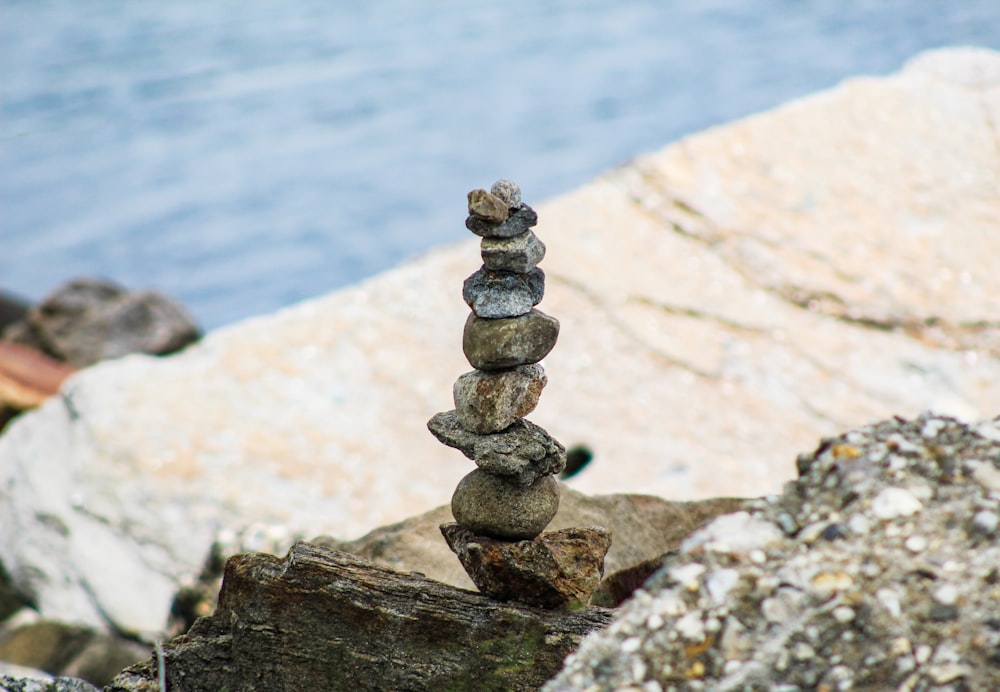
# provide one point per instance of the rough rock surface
(489, 402)
(494, 295)
(322, 620)
(89, 320)
(821, 265)
(559, 569)
(523, 451)
(487, 206)
(490, 506)
(506, 343)
(879, 568)
(518, 254)
(518, 222)
(643, 527)
(39, 682)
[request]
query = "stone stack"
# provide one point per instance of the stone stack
(512, 495)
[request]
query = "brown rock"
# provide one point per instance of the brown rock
(489, 506)
(27, 376)
(557, 569)
(488, 402)
(486, 206)
(522, 453)
(323, 620)
(506, 343)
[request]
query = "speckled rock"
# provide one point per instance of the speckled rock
(518, 254)
(508, 191)
(495, 295)
(488, 402)
(518, 222)
(871, 571)
(487, 505)
(521, 453)
(506, 343)
(557, 569)
(487, 207)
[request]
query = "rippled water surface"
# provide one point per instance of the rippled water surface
(245, 155)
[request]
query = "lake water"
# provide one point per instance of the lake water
(242, 156)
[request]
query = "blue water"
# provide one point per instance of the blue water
(242, 156)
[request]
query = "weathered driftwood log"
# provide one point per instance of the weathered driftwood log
(325, 620)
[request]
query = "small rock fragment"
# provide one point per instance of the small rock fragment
(488, 402)
(490, 506)
(508, 191)
(508, 342)
(895, 502)
(488, 207)
(557, 569)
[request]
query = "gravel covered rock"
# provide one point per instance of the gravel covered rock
(879, 568)
(518, 254)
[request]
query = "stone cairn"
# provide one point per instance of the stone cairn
(502, 507)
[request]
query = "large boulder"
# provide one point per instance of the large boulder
(723, 303)
(879, 568)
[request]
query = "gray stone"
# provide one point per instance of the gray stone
(506, 343)
(488, 207)
(522, 453)
(516, 224)
(488, 505)
(495, 295)
(508, 191)
(38, 681)
(518, 254)
(558, 569)
(488, 402)
(88, 320)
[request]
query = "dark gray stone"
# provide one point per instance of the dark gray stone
(516, 224)
(508, 191)
(558, 569)
(506, 343)
(495, 295)
(488, 505)
(88, 320)
(521, 453)
(518, 254)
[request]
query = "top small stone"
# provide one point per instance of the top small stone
(509, 192)
(488, 206)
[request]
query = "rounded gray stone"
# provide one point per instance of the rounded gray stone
(518, 254)
(505, 343)
(489, 506)
(496, 295)
(489, 402)
(508, 191)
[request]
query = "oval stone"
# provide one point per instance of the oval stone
(518, 222)
(495, 294)
(509, 342)
(489, 506)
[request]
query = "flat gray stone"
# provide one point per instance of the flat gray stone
(518, 254)
(488, 402)
(506, 343)
(516, 224)
(495, 295)
(489, 506)
(522, 453)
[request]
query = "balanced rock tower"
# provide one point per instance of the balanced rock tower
(502, 507)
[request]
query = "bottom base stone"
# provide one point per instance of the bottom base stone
(558, 569)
